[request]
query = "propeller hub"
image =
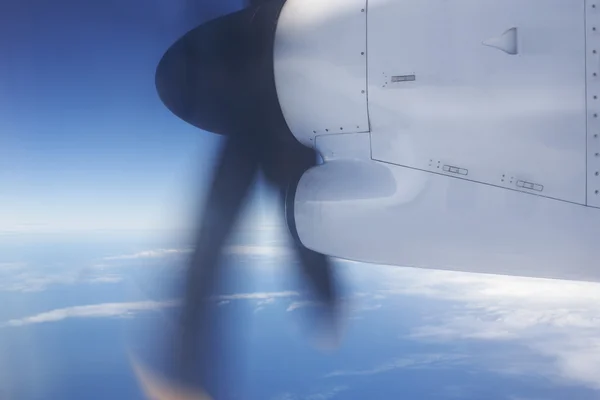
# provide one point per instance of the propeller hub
(219, 76)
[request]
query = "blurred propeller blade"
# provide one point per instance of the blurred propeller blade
(316, 267)
(219, 77)
(234, 174)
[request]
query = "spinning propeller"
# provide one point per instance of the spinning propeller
(219, 77)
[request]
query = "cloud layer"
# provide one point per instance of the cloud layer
(241, 250)
(325, 394)
(107, 310)
(19, 277)
(92, 311)
(415, 361)
(557, 320)
(26, 280)
(157, 253)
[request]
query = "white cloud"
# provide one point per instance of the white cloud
(265, 301)
(36, 282)
(347, 305)
(325, 394)
(105, 279)
(246, 250)
(258, 250)
(11, 266)
(516, 397)
(29, 282)
(557, 320)
(369, 307)
(129, 308)
(302, 304)
(157, 253)
(285, 396)
(258, 295)
(91, 311)
(415, 361)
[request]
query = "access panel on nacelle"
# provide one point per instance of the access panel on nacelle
(489, 91)
(320, 66)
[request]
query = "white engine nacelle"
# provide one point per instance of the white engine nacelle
(457, 135)
(321, 67)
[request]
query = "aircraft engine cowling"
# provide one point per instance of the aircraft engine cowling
(320, 67)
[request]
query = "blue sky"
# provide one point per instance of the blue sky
(85, 142)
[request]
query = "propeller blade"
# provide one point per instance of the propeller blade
(295, 159)
(234, 174)
(219, 77)
(211, 78)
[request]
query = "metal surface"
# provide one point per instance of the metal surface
(484, 153)
(592, 40)
(320, 67)
(500, 91)
(393, 215)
